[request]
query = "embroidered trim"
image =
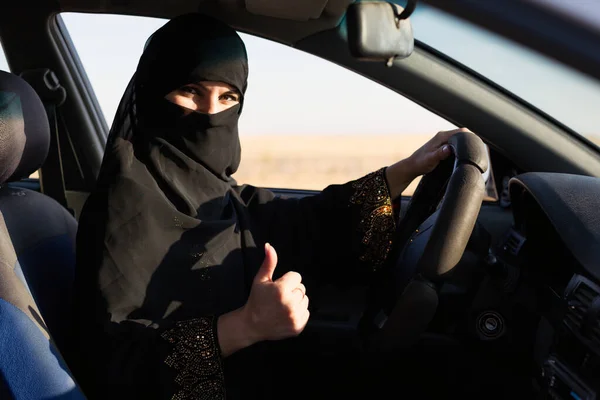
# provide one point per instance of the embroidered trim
(197, 358)
(377, 223)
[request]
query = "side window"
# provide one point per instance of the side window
(307, 122)
(3, 62)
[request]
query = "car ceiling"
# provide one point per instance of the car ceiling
(284, 21)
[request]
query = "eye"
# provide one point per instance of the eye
(189, 89)
(230, 97)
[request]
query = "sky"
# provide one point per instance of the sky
(292, 92)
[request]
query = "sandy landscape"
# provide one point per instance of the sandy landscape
(313, 162)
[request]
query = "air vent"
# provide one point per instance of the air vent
(582, 316)
(513, 242)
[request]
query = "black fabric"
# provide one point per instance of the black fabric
(168, 236)
(24, 129)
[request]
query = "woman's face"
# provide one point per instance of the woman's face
(205, 97)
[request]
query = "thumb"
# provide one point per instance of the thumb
(265, 272)
(443, 152)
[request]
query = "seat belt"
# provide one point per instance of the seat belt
(53, 95)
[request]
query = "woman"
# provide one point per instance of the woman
(173, 261)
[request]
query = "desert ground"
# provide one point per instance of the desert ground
(313, 162)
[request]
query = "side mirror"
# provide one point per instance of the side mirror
(380, 31)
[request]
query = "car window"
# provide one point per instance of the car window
(307, 122)
(562, 92)
(3, 62)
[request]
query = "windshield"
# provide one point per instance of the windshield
(565, 94)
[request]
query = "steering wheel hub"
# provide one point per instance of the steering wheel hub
(490, 325)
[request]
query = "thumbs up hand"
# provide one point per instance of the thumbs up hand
(275, 309)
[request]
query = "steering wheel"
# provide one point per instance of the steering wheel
(432, 238)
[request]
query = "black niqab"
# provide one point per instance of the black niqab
(191, 49)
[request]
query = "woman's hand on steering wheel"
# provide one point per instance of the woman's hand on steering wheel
(422, 161)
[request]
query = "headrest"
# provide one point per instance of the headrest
(24, 129)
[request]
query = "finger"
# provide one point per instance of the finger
(290, 280)
(455, 131)
(304, 317)
(443, 136)
(301, 322)
(303, 304)
(444, 151)
(295, 298)
(433, 158)
(266, 270)
(301, 288)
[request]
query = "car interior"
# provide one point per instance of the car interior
(495, 286)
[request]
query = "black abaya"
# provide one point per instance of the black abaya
(168, 241)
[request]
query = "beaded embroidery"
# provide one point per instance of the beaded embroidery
(197, 359)
(377, 223)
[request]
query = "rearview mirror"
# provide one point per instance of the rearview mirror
(380, 31)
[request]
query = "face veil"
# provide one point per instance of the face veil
(165, 195)
(188, 49)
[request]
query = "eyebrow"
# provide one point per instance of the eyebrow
(230, 91)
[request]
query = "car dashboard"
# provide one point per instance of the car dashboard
(553, 251)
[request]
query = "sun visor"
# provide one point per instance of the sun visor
(297, 10)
